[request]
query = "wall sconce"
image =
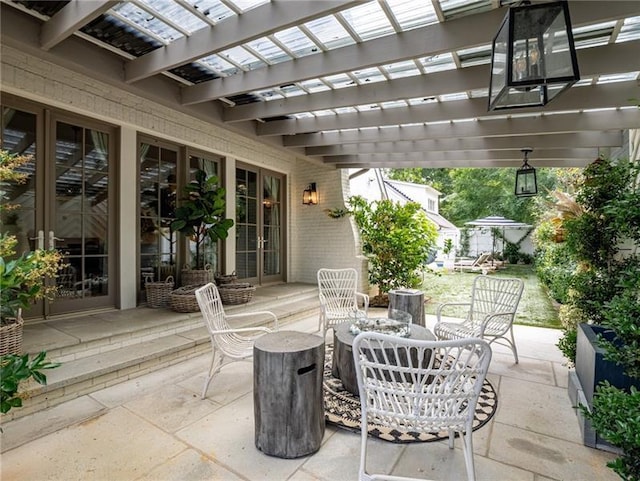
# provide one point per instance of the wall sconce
(526, 183)
(533, 58)
(310, 195)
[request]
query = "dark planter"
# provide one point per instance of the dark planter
(591, 369)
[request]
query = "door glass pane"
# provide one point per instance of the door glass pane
(246, 224)
(19, 137)
(158, 191)
(271, 214)
(81, 223)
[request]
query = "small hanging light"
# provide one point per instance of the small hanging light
(310, 195)
(533, 57)
(526, 183)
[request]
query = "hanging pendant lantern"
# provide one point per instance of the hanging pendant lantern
(533, 57)
(526, 182)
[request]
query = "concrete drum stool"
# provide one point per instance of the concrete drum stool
(287, 393)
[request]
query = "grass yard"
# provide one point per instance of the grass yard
(535, 306)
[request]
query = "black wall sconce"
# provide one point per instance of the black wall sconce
(310, 195)
(533, 57)
(526, 183)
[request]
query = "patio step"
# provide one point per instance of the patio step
(101, 362)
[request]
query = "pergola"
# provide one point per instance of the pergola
(352, 84)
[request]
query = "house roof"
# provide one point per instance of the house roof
(385, 83)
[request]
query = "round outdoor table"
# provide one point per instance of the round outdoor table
(342, 365)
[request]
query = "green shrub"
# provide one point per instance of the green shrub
(15, 369)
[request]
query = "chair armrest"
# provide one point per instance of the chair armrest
(255, 313)
(487, 319)
(243, 329)
(449, 304)
(365, 300)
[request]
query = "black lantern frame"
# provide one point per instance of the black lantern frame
(533, 57)
(310, 195)
(526, 181)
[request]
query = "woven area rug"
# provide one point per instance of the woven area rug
(342, 409)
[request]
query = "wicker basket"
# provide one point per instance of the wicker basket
(183, 299)
(158, 292)
(226, 279)
(197, 277)
(11, 337)
(238, 293)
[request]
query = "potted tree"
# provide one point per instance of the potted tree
(21, 274)
(201, 216)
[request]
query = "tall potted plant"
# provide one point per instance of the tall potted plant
(21, 274)
(201, 216)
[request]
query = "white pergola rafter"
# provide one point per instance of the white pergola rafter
(469, 31)
(465, 163)
(255, 23)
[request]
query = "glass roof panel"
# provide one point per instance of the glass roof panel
(214, 9)
(369, 75)
(475, 56)
(460, 8)
(456, 96)
(146, 21)
(177, 13)
(315, 85)
(291, 90)
(366, 108)
(302, 115)
(269, 94)
(630, 30)
(345, 110)
(323, 113)
(368, 20)
(245, 5)
(243, 57)
(340, 81)
(438, 63)
(402, 69)
(621, 77)
(269, 50)
(422, 100)
(478, 93)
(219, 64)
(330, 32)
(297, 42)
(394, 104)
(411, 14)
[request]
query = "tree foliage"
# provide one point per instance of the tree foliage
(395, 238)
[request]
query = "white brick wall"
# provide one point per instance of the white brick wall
(314, 239)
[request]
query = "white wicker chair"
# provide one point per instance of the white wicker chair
(419, 386)
(227, 343)
(338, 292)
(490, 314)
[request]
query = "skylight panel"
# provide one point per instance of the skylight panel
(345, 110)
(369, 75)
(177, 14)
(422, 100)
(393, 104)
(297, 42)
(303, 115)
(411, 14)
(219, 64)
(622, 77)
(583, 82)
(242, 57)
(479, 93)
(315, 85)
(630, 30)
(146, 21)
(367, 107)
(330, 32)
(456, 96)
(402, 69)
(459, 8)
(245, 5)
(593, 35)
(438, 63)
(323, 113)
(475, 56)
(269, 50)
(368, 21)
(340, 81)
(214, 9)
(269, 94)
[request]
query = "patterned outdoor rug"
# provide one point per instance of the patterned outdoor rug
(342, 409)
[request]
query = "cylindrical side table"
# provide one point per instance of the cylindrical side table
(408, 300)
(287, 393)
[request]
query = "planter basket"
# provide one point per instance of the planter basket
(238, 293)
(197, 277)
(226, 279)
(11, 337)
(158, 292)
(183, 299)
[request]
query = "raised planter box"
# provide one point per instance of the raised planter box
(591, 369)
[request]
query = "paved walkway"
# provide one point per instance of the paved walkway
(156, 427)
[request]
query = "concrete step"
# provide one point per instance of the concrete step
(112, 359)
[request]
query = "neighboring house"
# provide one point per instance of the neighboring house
(483, 239)
(372, 185)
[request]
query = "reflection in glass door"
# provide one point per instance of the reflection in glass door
(259, 225)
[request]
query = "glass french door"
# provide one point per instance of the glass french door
(259, 225)
(65, 204)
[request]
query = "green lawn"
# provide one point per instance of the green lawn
(535, 306)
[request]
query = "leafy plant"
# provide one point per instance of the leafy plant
(448, 246)
(616, 416)
(395, 238)
(201, 213)
(14, 370)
